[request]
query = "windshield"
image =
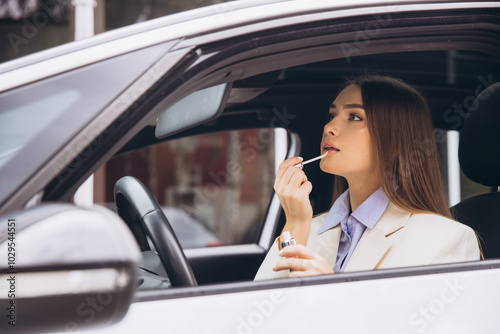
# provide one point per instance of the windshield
(40, 118)
(22, 123)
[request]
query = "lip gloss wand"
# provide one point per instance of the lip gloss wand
(310, 160)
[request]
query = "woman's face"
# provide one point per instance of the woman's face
(346, 138)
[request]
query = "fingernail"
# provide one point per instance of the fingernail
(300, 158)
(280, 252)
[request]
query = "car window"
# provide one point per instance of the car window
(457, 185)
(214, 188)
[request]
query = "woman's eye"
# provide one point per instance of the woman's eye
(355, 117)
(330, 117)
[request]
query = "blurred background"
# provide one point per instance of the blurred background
(28, 26)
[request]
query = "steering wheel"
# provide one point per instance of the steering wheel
(138, 208)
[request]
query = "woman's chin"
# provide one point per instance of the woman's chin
(327, 169)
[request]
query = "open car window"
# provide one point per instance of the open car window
(214, 188)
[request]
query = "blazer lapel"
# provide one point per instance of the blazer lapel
(374, 243)
(325, 244)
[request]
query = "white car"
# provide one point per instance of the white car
(268, 69)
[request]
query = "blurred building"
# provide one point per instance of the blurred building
(28, 26)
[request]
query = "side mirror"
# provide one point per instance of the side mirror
(65, 268)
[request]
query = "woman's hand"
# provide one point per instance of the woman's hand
(293, 189)
(302, 262)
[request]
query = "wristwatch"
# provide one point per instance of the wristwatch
(287, 240)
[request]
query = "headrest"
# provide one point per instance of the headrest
(479, 150)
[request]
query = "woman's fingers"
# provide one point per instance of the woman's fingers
(294, 264)
(291, 180)
(306, 187)
(302, 261)
(284, 165)
(298, 251)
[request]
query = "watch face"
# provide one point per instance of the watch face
(288, 242)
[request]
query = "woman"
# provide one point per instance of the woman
(390, 209)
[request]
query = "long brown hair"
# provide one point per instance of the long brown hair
(404, 148)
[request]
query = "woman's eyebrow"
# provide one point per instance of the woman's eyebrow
(354, 105)
(348, 106)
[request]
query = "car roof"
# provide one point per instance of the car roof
(255, 14)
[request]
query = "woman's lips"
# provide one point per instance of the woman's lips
(330, 151)
(329, 148)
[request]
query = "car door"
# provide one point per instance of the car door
(438, 299)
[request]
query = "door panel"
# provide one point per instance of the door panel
(406, 301)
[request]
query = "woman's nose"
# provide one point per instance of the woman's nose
(332, 128)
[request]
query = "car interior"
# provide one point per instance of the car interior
(478, 142)
(305, 93)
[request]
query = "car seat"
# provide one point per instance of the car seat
(479, 156)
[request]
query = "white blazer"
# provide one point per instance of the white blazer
(399, 239)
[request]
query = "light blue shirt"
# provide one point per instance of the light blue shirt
(353, 225)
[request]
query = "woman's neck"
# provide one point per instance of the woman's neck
(360, 190)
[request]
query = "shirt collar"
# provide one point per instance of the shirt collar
(368, 213)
